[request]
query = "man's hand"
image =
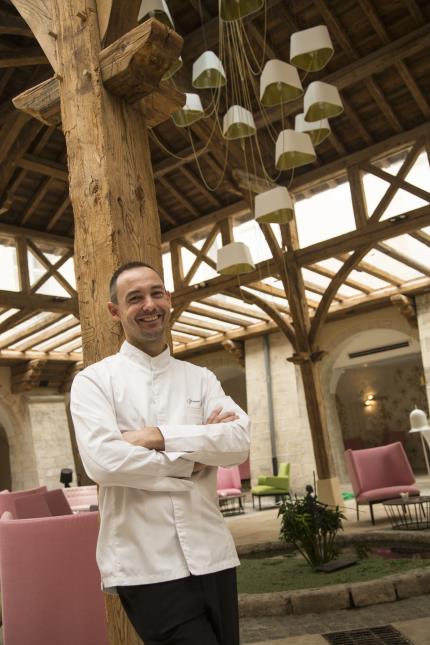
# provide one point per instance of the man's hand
(149, 437)
(218, 416)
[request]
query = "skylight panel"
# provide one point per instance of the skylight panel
(368, 280)
(9, 280)
(411, 247)
(316, 278)
(389, 265)
(345, 291)
(7, 314)
(325, 215)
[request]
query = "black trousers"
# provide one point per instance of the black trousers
(197, 610)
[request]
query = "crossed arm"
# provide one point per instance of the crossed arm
(152, 438)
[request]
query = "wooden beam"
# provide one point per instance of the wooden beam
(371, 234)
(358, 197)
(216, 315)
(31, 329)
(56, 216)
(234, 308)
(11, 25)
(38, 16)
(44, 167)
(24, 57)
(13, 355)
(42, 102)
(46, 334)
(177, 265)
(16, 318)
(38, 302)
(51, 268)
(201, 253)
(405, 259)
(10, 231)
(22, 261)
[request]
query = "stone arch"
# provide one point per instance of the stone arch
(335, 342)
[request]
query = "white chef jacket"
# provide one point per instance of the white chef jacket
(158, 521)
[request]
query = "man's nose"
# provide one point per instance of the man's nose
(148, 302)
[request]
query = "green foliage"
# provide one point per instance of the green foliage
(311, 527)
(361, 551)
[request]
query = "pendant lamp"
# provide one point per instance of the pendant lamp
(321, 101)
(317, 130)
(191, 112)
(293, 149)
(238, 123)
(208, 71)
(155, 9)
(236, 9)
(274, 206)
(279, 83)
(234, 258)
(311, 49)
(177, 64)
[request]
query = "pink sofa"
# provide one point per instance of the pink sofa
(229, 489)
(81, 498)
(50, 581)
(378, 474)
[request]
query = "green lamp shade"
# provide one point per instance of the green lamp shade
(293, 149)
(321, 101)
(311, 49)
(274, 206)
(279, 83)
(191, 112)
(317, 130)
(238, 123)
(237, 9)
(208, 71)
(234, 258)
(155, 9)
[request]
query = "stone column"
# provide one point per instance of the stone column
(293, 438)
(423, 316)
(51, 438)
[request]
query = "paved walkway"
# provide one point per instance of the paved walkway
(305, 630)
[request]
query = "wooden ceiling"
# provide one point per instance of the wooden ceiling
(381, 66)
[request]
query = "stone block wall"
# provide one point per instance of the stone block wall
(423, 315)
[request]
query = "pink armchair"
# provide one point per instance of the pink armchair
(7, 499)
(229, 487)
(81, 498)
(50, 581)
(378, 474)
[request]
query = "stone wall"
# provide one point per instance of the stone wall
(423, 315)
(37, 433)
(51, 438)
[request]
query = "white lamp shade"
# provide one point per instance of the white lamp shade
(279, 83)
(317, 130)
(321, 101)
(177, 64)
(311, 49)
(234, 258)
(293, 149)
(236, 9)
(274, 206)
(191, 112)
(155, 9)
(238, 123)
(208, 71)
(418, 421)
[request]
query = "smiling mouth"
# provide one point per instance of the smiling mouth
(149, 319)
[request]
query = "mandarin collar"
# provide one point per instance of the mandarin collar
(159, 362)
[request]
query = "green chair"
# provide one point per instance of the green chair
(275, 485)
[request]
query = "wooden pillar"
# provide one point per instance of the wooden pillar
(307, 358)
(112, 193)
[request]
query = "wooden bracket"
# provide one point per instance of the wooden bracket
(131, 68)
(407, 307)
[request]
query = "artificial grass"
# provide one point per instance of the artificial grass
(290, 571)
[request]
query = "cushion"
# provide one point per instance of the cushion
(268, 490)
(389, 492)
(7, 515)
(227, 492)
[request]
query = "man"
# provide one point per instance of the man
(151, 432)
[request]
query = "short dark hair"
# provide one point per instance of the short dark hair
(125, 267)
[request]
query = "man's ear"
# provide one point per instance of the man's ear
(113, 310)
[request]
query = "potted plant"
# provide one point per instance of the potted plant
(312, 527)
